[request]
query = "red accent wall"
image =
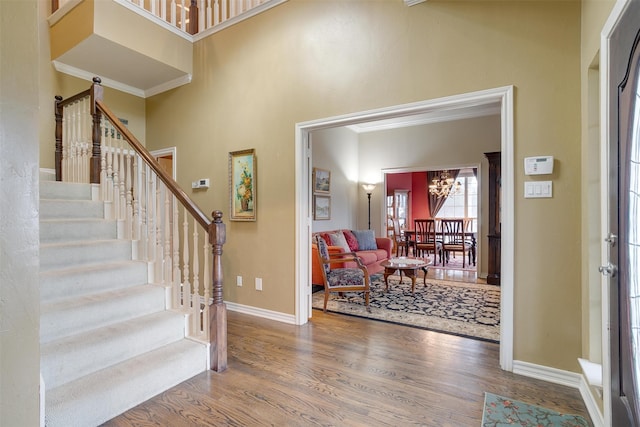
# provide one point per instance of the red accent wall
(416, 182)
(419, 201)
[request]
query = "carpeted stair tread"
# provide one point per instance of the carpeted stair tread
(74, 315)
(70, 358)
(76, 281)
(61, 255)
(96, 398)
(81, 229)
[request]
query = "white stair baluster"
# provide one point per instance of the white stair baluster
(224, 15)
(207, 287)
(151, 218)
(186, 286)
(136, 198)
(183, 16)
(116, 176)
(195, 300)
(129, 196)
(175, 241)
(158, 233)
(209, 15)
(167, 264)
(173, 12)
(163, 9)
(143, 213)
(122, 214)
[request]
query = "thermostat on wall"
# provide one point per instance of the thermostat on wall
(542, 165)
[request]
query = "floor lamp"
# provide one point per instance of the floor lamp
(369, 189)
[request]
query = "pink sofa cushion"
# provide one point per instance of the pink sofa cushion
(368, 257)
(351, 240)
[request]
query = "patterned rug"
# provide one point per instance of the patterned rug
(500, 411)
(464, 309)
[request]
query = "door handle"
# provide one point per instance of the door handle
(608, 270)
(611, 239)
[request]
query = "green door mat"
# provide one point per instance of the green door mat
(500, 411)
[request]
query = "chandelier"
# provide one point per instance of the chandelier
(443, 185)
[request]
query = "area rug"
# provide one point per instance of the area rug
(501, 411)
(464, 309)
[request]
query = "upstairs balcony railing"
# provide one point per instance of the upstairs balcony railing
(181, 245)
(192, 16)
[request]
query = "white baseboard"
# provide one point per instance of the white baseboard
(260, 312)
(566, 378)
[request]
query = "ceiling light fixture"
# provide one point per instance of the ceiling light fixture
(443, 185)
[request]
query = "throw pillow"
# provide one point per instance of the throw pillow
(327, 238)
(337, 239)
(366, 240)
(351, 240)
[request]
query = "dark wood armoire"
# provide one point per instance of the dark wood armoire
(493, 276)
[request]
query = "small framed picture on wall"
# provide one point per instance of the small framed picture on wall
(321, 207)
(242, 185)
(321, 181)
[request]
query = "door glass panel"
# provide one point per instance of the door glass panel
(634, 240)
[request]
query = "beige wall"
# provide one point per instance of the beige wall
(19, 228)
(309, 59)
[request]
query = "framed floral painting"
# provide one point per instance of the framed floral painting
(242, 185)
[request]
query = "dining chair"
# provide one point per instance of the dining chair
(455, 238)
(425, 239)
(342, 279)
(400, 239)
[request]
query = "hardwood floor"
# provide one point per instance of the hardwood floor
(347, 371)
(454, 275)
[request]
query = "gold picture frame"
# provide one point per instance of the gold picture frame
(243, 191)
(321, 207)
(321, 181)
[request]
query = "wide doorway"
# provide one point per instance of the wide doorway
(500, 97)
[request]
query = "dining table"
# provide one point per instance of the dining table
(409, 240)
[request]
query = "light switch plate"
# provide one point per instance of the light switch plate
(538, 189)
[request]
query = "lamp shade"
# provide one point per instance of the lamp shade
(368, 187)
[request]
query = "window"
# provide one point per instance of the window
(463, 204)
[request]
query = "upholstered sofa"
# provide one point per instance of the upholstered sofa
(370, 249)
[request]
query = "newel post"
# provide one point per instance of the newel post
(217, 309)
(58, 111)
(94, 165)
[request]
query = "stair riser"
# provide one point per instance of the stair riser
(64, 190)
(60, 256)
(108, 346)
(57, 231)
(51, 209)
(77, 282)
(59, 320)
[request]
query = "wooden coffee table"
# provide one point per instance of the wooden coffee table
(408, 265)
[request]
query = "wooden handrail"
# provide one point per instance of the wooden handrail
(153, 163)
(215, 228)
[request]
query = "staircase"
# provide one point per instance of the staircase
(107, 341)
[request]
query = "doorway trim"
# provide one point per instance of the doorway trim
(502, 96)
(163, 152)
